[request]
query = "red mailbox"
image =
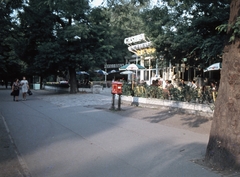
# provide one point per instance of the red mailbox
(117, 88)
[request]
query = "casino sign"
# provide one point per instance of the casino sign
(139, 45)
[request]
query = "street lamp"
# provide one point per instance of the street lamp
(105, 66)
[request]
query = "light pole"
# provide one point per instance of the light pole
(136, 70)
(157, 67)
(105, 66)
(170, 69)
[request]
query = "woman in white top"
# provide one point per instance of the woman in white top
(194, 85)
(25, 87)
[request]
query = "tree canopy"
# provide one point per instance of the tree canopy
(10, 63)
(187, 29)
(53, 35)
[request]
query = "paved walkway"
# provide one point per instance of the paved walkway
(79, 99)
(77, 135)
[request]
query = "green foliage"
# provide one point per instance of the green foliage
(186, 94)
(189, 94)
(140, 91)
(112, 3)
(222, 28)
(154, 92)
(100, 36)
(36, 27)
(127, 89)
(234, 29)
(187, 29)
(176, 94)
(125, 21)
(58, 37)
(10, 63)
(54, 35)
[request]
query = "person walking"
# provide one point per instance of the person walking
(214, 91)
(25, 87)
(194, 85)
(182, 83)
(15, 89)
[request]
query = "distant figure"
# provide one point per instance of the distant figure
(6, 84)
(214, 90)
(15, 89)
(166, 90)
(25, 87)
(154, 83)
(194, 85)
(182, 83)
(190, 83)
(169, 85)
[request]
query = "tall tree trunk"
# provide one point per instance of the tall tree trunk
(223, 148)
(73, 80)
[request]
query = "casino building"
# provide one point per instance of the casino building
(156, 66)
(143, 54)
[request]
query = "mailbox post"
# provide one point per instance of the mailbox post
(116, 89)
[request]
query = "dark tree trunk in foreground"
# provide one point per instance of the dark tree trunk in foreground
(73, 80)
(223, 150)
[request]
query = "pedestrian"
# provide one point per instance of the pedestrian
(214, 91)
(194, 85)
(169, 86)
(160, 82)
(25, 87)
(15, 89)
(182, 83)
(190, 83)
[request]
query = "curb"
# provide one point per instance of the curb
(174, 106)
(24, 172)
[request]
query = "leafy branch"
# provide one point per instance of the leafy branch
(234, 28)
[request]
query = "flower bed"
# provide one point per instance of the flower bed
(197, 101)
(185, 94)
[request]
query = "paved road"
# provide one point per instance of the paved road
(61, 135)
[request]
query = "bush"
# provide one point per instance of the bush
(154, 92)
(140, 91)
(178, 94)
(127, 89)
(189, 94)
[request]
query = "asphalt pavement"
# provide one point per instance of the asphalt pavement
(76, 135)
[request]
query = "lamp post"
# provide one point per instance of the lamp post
(170, 69)
(161, 58)
(105, 75)
(136, 70)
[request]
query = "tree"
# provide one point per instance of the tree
(71, 31)
(10, 62)
(100, 40)
(125, 21)
(63, 36)
(36, 25)
(187, 30)
(223, 147)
